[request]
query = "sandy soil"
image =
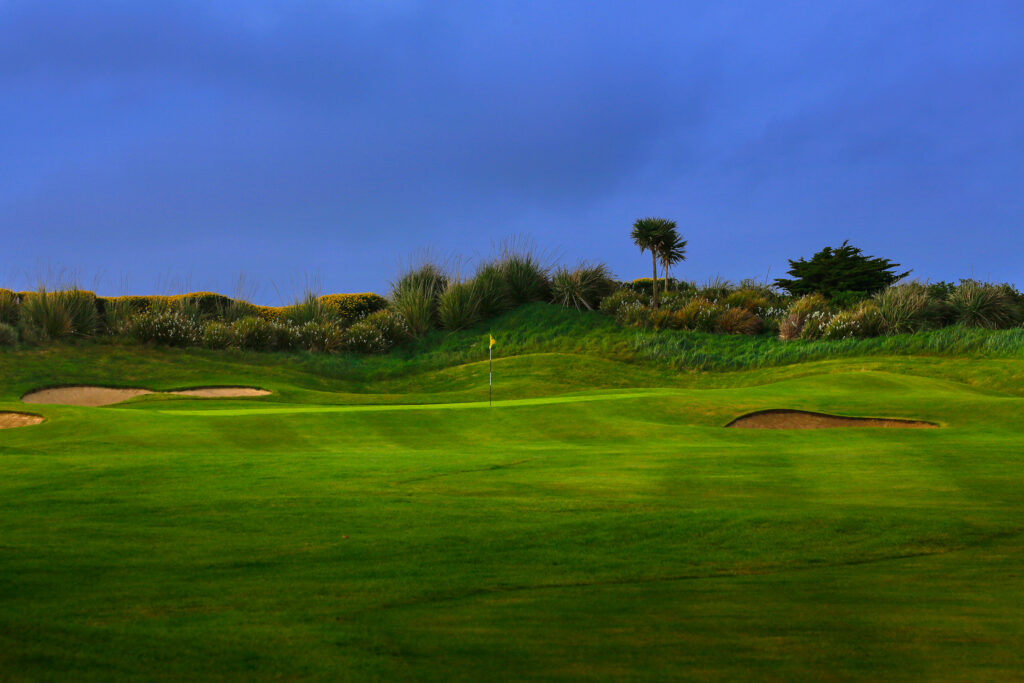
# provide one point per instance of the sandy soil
(105, 396)
(12, 420)
(799, 419)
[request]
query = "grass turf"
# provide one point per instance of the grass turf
(553, 536)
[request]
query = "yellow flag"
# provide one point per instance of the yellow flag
(493, 341)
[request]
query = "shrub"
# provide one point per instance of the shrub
(8, 335)
(811, 303)
(217, 335)
(674, 300)
(201, 304)
(378, 333)
(977, 304)
(815, 323)
(615, 303)
(459, 306)
(10, 307)
(253, 333)
(736, 320)
(661, 319)
(699, 314)
(352, 307)
(843, 325)
(321, 336)
(751, 299)
(906, 308)
(846, 300)
(267, 313)
(169, 327)
(637, 316)
(583, 287)
(791, 327)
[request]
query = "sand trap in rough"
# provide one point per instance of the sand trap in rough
(12, 420)
(801, 419)
(105, 396)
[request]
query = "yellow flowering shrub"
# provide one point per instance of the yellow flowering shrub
(353, 306)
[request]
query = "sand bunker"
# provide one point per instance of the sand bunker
(83, 396)
(12, 420)
(221, 392)
(801, 419)
(105, 396)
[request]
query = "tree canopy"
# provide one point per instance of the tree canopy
(840, 270)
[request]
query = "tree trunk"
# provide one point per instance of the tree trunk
(654, 285)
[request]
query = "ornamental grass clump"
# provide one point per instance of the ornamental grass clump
(306, 310)
(458, 306)
(907, 308)
(492, 291)
(716, 289)
(978, 304)
(525, 275)
(738, 320)
(61, 313)
(10, 307)
(415, 296)
(582, 287)
(116, 315)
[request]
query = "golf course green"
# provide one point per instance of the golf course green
(598, 521)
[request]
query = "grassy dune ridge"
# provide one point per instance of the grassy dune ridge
(582, 537)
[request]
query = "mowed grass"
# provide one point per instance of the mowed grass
(596, 523)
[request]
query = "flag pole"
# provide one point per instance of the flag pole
(490, 374)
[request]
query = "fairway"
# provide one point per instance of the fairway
(597, 522)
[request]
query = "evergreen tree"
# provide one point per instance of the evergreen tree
(843, 270)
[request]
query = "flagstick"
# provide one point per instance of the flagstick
(490, 374)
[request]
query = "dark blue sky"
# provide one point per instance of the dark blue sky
(155, 144)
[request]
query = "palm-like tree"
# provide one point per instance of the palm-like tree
(671, 250)
(648, 234)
